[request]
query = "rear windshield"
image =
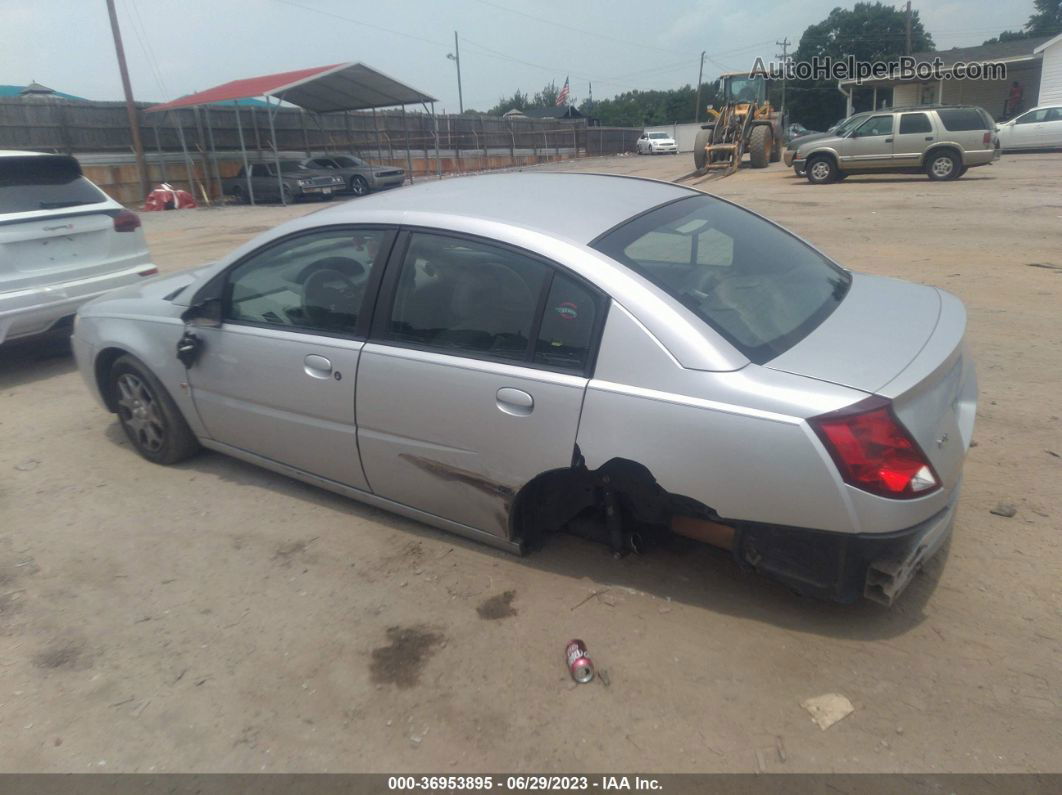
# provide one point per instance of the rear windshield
(44, 183)
(960, 119)
(760, 287)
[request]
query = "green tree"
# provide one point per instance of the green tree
(650, 108)
(518, 100)
(867, 31)
(1046, 21)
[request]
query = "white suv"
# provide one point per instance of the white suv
(62, 242)
(653, 143)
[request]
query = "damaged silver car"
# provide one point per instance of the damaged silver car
(509, 356)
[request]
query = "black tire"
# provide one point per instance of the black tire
(289, 197)
(760, 146)
(151, 420)
(943, 165)
(700, 157)
(359, 186)
(820, 170)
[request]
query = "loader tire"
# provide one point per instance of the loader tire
(760, 145)
(700, 157)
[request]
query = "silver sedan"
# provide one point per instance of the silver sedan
(510, 356)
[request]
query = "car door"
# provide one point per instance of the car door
(265, 182)
(473, 379)
(277, 377)
(915, 133)
(870, 144)
(1026, 131)
(1051, 128)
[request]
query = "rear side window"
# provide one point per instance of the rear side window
(44, 183)
(567, 329)
(460, 296)
(758, 286)
(962, 119)
(915, 123)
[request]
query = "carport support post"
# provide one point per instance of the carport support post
(276, 147)
(435, 124)
(213, 153)
(184, 150)
(409, 155)
(243, 151)
(376, 127)
(158, 146)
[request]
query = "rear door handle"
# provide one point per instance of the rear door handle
(516, 402)
(888, 140)
(929, 137)
(317, 366)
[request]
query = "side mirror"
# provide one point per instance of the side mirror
(207, 313)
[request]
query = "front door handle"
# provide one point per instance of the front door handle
(929, 137)
(317, 366)
(516, 402)
(888, 140)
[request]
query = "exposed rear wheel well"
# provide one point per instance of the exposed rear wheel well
(620, 504)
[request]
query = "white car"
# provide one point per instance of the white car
(655, 143)
(63, 241)
(1039, 128)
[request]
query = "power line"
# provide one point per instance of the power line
(363, 23)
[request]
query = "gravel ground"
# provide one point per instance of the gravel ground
(215, 617)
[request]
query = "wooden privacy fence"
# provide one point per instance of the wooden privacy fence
(407, 140)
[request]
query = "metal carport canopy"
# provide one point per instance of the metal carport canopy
(320, 89)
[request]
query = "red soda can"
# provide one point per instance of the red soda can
(579, 663)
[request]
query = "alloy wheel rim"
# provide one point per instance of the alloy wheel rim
(942, 166)
(359, 187)
(820, 170)
(140, 412)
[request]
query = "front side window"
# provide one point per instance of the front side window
(877, 125)
(1032, 117)
(915, 123)
(260, 170)
(460, 296)
(758, 286)
(314, 282)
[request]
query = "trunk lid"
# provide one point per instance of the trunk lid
(904, 342)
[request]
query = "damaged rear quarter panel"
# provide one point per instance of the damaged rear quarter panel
(736, 441)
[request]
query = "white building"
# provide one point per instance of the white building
(1051, 75)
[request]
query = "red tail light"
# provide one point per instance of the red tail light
(987, 140)
(126, 221)
(874, 452)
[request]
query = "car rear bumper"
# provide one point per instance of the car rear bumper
(24, 313)
(843, 566)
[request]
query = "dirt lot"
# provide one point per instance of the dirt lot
(215, 617)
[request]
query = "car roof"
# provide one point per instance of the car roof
(576, 206)
(20, 153)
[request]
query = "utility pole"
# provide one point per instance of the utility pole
(130, 106)
(455, 56)
(907, 27)
(700, 75)
(784, 44)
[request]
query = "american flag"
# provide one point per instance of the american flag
(562, 97)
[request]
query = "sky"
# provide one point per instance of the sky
(176, 47)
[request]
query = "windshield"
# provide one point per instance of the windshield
(349, 162)
(289, 166)
(44, 183)
(760, 287)
(844, 127)
(746, 89)
(658, 135)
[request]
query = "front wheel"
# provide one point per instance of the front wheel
(943, 166)
(821, 170)
(359, 186)
(151, 420)
(760, 145)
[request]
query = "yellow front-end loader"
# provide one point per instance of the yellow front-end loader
(745, 123)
